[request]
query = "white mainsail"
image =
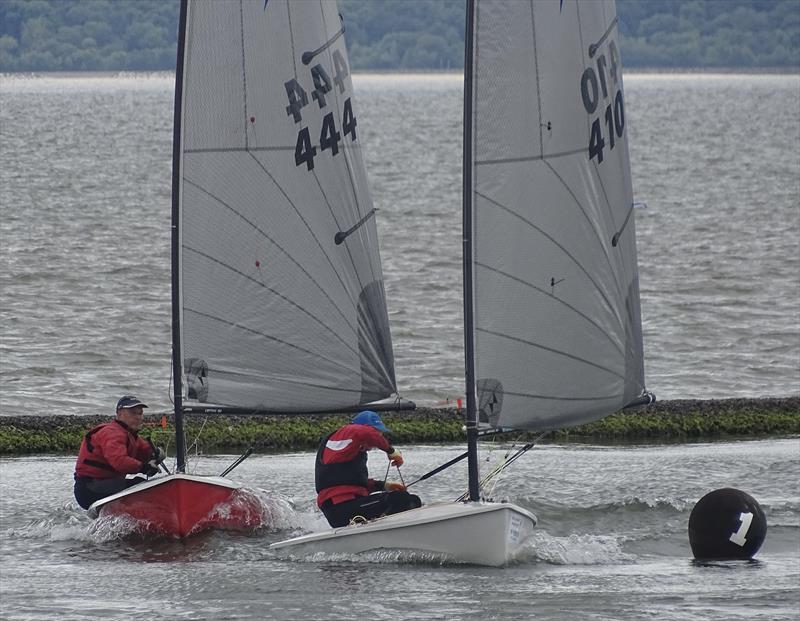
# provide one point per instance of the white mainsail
(279, 286)
(557, 326)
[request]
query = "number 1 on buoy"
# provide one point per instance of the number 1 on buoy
(739, 536)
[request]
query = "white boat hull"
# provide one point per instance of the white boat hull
(479, 533)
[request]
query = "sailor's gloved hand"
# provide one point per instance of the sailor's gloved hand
(391, 486)
(159, 454)
(150, 468)
(396, 458)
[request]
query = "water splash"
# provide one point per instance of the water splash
(574, 550)
(383, 556)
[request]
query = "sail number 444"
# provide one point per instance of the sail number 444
(329, 135)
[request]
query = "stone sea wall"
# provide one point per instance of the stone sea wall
(678, 420)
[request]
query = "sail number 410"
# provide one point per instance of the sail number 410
(594, 87)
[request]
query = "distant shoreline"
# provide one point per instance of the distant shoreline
(629, 71)
(678, 420)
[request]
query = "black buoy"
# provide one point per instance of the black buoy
(726, 524)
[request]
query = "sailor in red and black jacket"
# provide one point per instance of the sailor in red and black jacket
(344, 489)
(112, 450)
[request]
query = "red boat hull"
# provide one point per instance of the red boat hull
(180, 505)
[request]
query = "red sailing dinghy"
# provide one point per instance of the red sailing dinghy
(278, 302)
(179, 505)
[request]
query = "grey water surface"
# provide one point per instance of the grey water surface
(85, 169)
(611, 543)
(85, 174)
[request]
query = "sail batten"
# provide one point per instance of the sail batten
(272, 313)
(554, 280)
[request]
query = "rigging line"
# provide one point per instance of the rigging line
(506, 462)
(309, 56)
(599, 237)
(593, 48)
(276, 244)
(577, 263)
(616, 345)
(551, 350)
(530, 158)
(196, 441)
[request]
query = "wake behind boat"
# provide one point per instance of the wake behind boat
(552, 326)
(278, 303)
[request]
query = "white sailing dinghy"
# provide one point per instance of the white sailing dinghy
(278, 302)
(552, 320)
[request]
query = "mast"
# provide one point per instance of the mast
(469, 345)
(177, 367)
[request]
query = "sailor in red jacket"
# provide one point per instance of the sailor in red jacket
(112, 450)
(342, 479)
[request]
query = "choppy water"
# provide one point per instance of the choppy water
(611, 544)
(85, 170)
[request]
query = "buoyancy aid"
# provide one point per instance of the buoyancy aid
(98, 452)
(354, 472)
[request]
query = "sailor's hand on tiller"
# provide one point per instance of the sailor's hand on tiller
(159, 454)
(392, 486)
(150, 468)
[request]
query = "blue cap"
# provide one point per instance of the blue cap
(129, 401)
(368, 417)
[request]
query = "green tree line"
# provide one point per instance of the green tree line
(140, 35)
